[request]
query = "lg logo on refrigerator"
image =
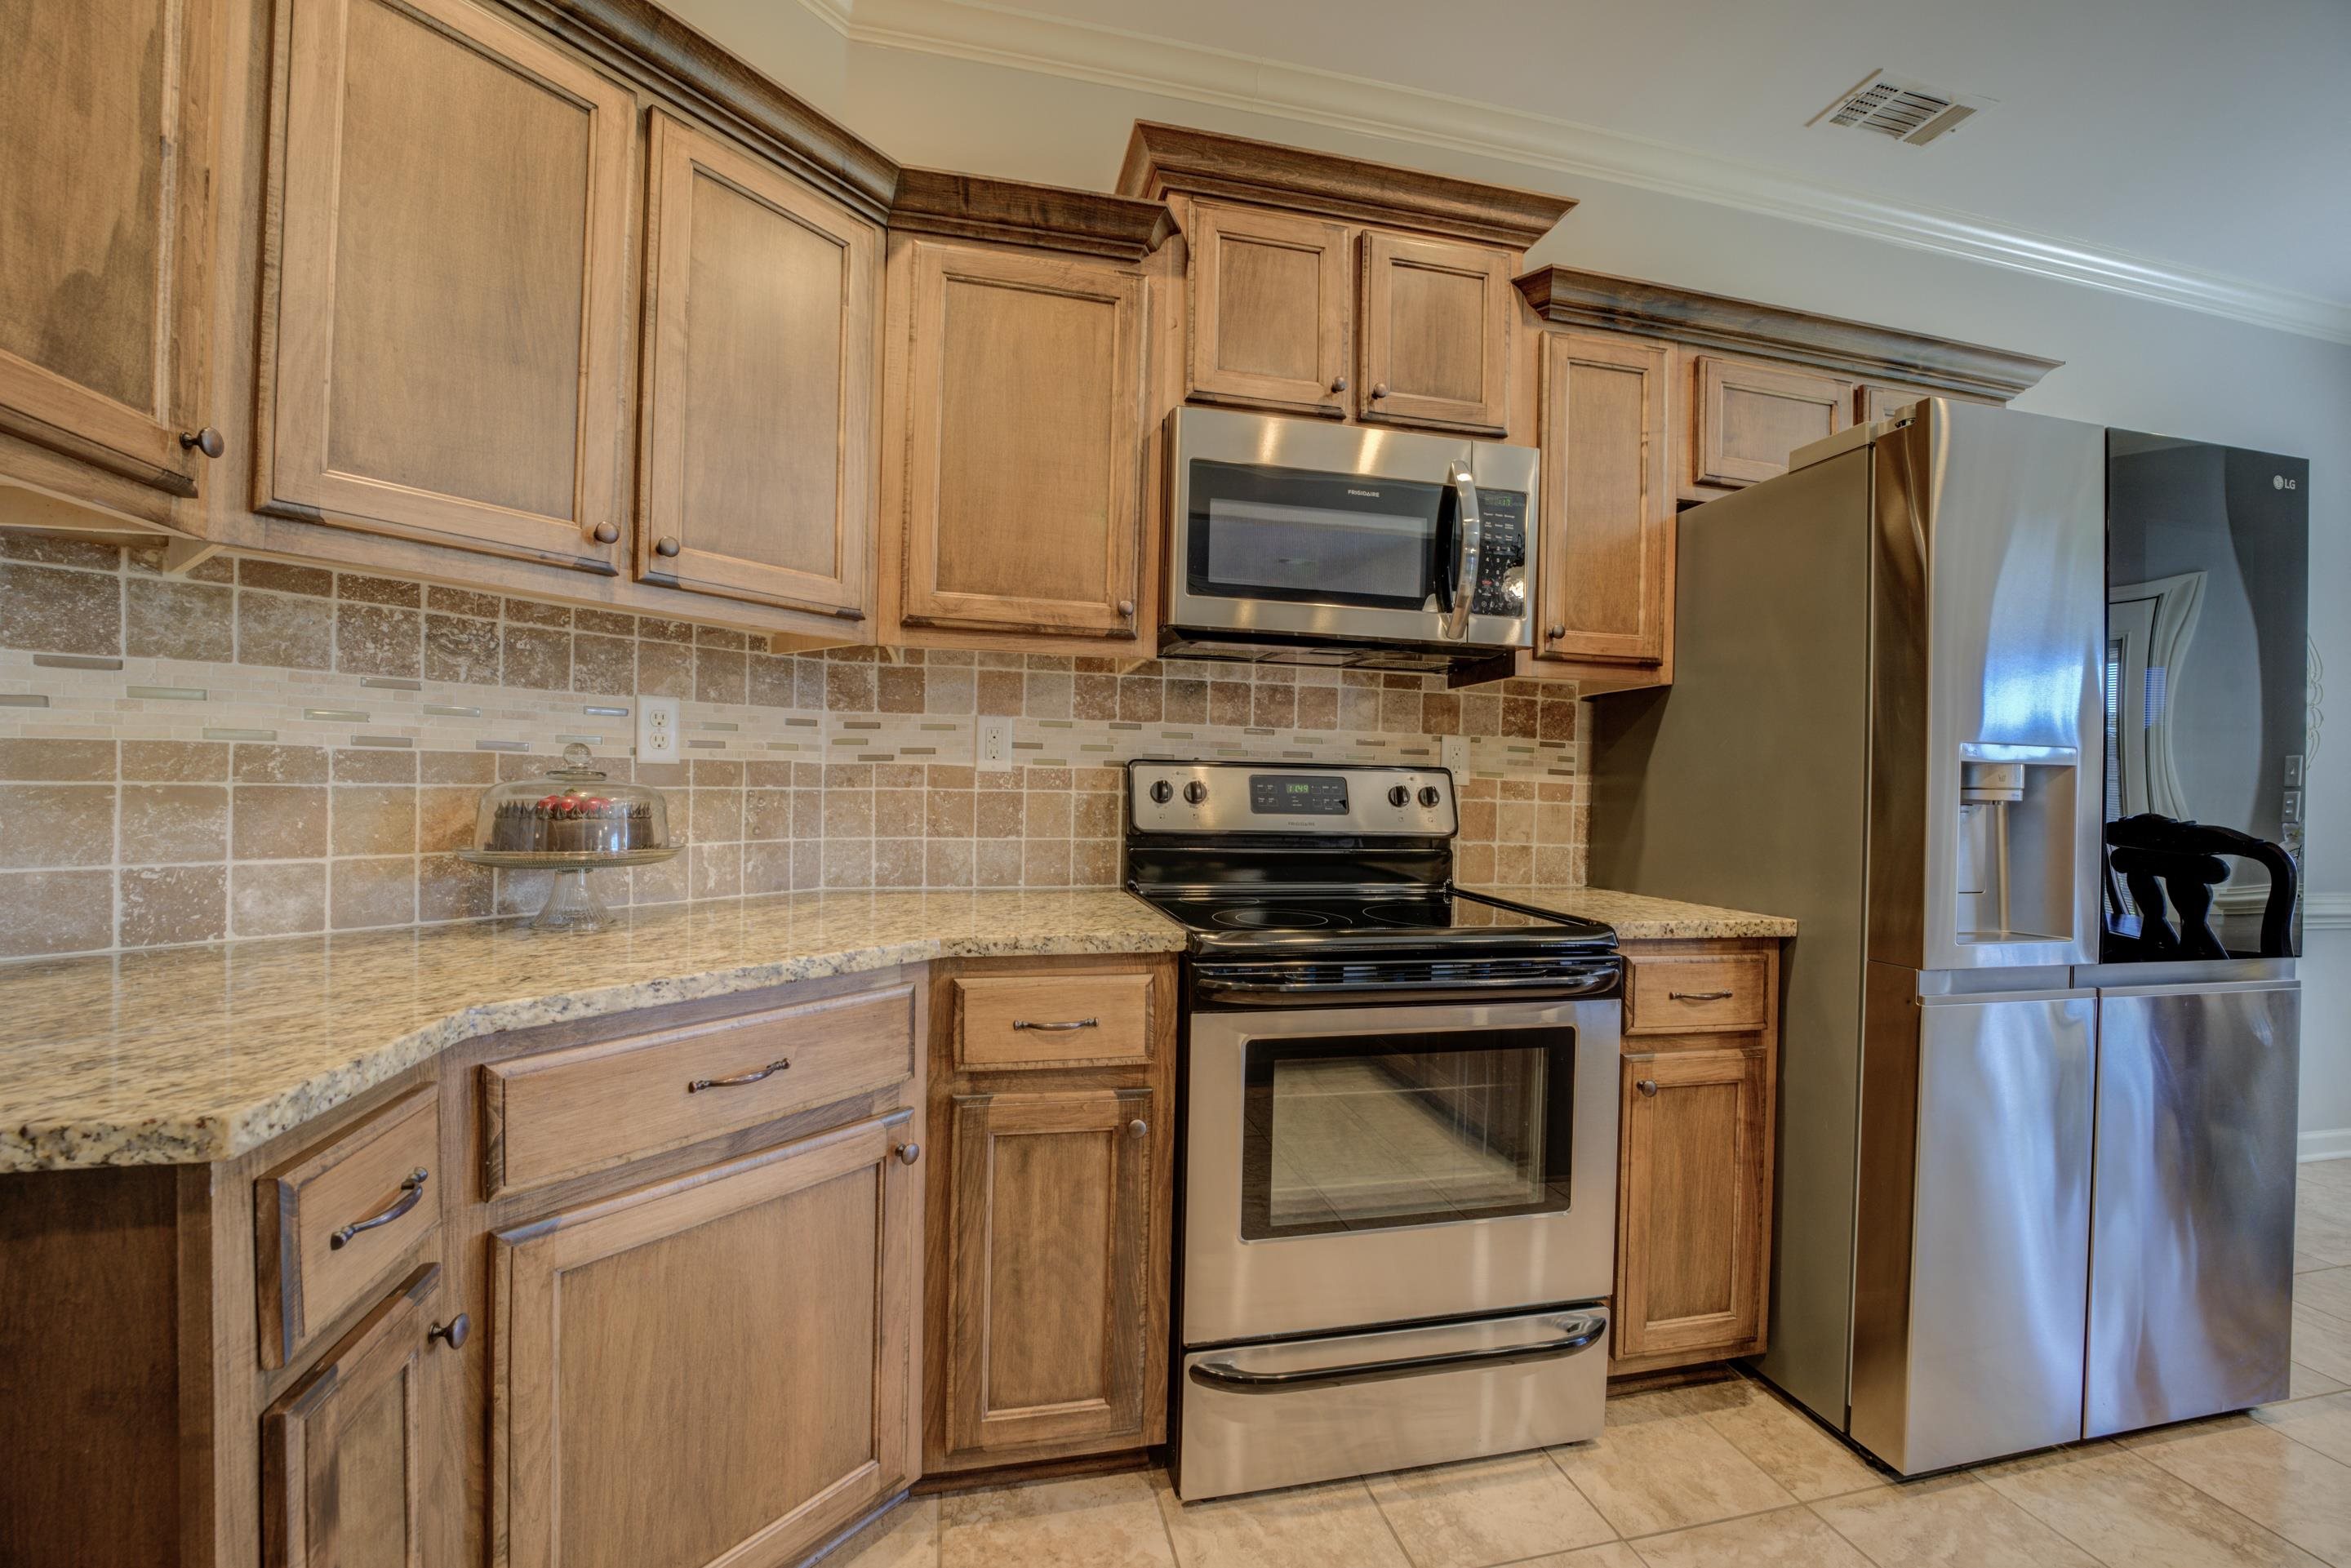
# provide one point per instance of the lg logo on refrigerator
(2280, 482)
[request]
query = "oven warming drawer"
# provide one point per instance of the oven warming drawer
(1261, 1416)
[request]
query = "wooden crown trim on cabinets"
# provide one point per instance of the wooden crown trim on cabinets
(1566, 296)
(1010, 211)
(1161, 159)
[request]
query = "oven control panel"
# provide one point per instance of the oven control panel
(1293, 798)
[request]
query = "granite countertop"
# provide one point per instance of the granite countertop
(1640, 918)
(188, 1054)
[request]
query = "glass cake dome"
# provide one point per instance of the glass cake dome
(571, 821)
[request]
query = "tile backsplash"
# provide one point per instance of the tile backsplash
(260, 749)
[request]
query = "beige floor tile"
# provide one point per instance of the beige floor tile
(2328, 1289)
(2324, 1424)
(1952, 1521)
(1100, 1522)
(2134, 1514)
(2306, 1262)
(1487, 1511)
(1790, 1538)
(2322, 1228)
(2322, 1342)
(907, 1538)
(2181, 1431)
(2325, 1176)
(2270, 1479)
(1616, 1554)
(1332, 1526)
(1667, 1474)
(2309, 1383)
(1791, 1447)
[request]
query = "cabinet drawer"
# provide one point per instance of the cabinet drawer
(1052, 1020)
(332, 1223)
(588, 1107)
(1715, 992)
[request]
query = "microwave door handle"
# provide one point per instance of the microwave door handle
(1468, 538)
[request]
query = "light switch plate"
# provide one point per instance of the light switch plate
(657, 737)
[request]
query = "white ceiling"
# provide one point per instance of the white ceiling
(2198, 150)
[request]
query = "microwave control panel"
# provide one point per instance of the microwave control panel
(1501, 554)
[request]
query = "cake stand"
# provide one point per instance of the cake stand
(571, 903)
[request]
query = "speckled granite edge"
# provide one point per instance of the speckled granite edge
(62, 1142)
(1637, 917)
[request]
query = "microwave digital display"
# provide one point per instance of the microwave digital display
(1298, 795)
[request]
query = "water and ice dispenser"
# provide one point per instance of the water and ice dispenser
(2015, 861)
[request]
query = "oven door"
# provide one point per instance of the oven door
(1351, 1167)
(1333, 532)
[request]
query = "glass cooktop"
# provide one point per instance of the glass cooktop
(1339, 915)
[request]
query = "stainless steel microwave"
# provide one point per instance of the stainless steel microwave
(1294, 541)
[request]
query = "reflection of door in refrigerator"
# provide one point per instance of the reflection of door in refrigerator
(1990, 1358)
(2192, 1269)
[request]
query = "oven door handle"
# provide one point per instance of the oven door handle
(1582, 1332)
(1469, 543)
(1274, 992)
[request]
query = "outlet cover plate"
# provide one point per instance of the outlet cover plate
(657, 730)
(994, 745)
(1453, 751)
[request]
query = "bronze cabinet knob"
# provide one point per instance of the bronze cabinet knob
(206, 441)
(1126, 608)
(1554, 633)
(1649, 1088)
(1379, 391)
(666, 545)
(453, 1333)
(1138, 1128)
(909, 1153)
(1338, 383)
(605, 533)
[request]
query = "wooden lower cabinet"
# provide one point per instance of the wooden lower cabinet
(1050, 1224)
(1694, 1159)
(712, 1369)
(345, 1454)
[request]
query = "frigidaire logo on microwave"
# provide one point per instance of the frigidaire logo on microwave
(1373, 495)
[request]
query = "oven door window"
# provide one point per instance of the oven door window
(1350, 1134)
(1289, 534)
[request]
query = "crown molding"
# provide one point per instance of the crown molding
(1111, 56)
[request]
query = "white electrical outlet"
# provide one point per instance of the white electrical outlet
(657, 737)
(1453, 750)
(995, 744)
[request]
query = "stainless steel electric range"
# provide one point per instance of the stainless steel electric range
(1399, 1158)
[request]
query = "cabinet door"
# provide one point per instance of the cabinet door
(1023, 474)
(105, 232)
(1269, 309)
(1436, 334)
(450, 321)
(1050, 1339)
(756, 440)
(1692, 1209)
(717, 1368)
(345, 1455)
(1607, 514)
(1748, 418)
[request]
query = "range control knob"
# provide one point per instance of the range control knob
(1163, 792)
(1428, 794)
(1196, 791)
(1399, 795)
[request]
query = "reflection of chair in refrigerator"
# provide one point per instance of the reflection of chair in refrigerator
(2161, 860)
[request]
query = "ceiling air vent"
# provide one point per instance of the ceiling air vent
(1892, 108)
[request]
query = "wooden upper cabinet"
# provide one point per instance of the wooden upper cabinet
(1023, 462)
(1604, 557)
(349, 1453)
(757, 451)
(1434, 335)
(448, 324)
(1049, 1343)
(1746, 418)
(1693, 1204)
(105, 230)
(1270, 310)
(714, 1369)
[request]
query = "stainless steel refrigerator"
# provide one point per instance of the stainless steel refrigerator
(2036, 1124)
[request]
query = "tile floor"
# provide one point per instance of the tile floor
(1725, 1474)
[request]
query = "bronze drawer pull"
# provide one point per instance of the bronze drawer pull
(411, 1188)
(1698, 996)
(699, 1084)
(1057, 1028)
